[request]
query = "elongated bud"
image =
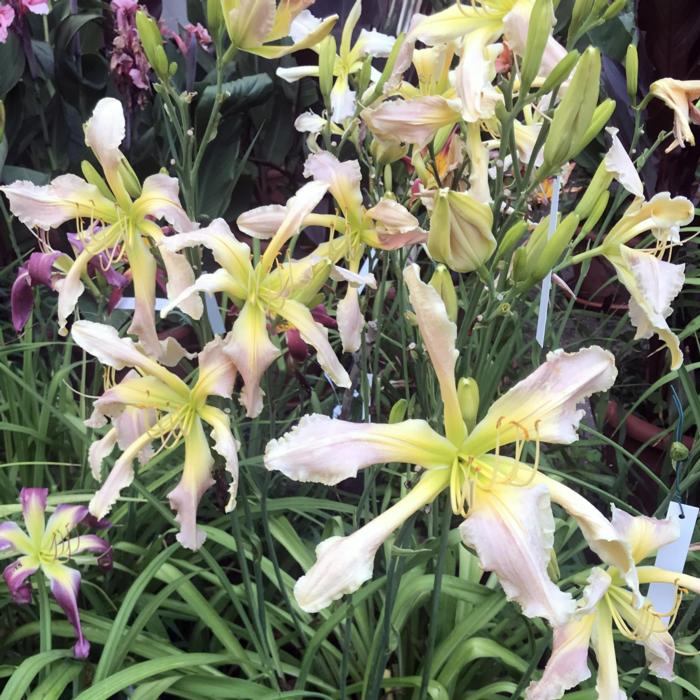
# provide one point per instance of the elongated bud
(573, 115)
(441, 137)
(94, 178)
(215, 19)
(614, 10)
(580, 13)
(511, 238)
(398, 411)
(597, 211)
(326, 63)
(554, 247)
(519, 268)
(388, 68)
(468, 397)
(129, 178)
(441, 282)
(537, 241)
(601, 116)
(365, 76)
(632, 71)
(560, 72)
(538, 32)
(152, 43)
(599, 183)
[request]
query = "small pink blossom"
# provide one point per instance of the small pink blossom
(7, 16)
(38, 7)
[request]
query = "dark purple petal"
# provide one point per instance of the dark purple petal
(40, 267)
(21, 299)
(88, 543)
(65, 584)
(298, 349)
(16, 575)
(320, 315)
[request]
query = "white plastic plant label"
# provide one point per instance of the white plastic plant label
(672, 556)
(547, 281)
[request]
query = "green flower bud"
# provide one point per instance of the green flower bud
(614, 9)
(596, 213)
(468, 398)
(580, 13)
(386, 152)
(538, 33)
(554, 247)
(679, 452)
(520, 274)
(560, 72)
(632, 71)
(441, 137)
(441, 282)
(94, 178)
(398, 411)
(600, 182)
(511, 238)
(129, 178)
(326, 63)
(601, 116)
(215, 19)
(573, 115)
(152, 43)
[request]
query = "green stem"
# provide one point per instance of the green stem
(44, 614)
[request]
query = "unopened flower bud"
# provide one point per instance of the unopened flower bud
(152, 42)
(600, 182)
(468, 397)
(398, 411)
(601, 116)
(538, 33)
(559, 73)
(441, 281)
(632, 71)
(129, 178)
(94, 178)
(326, 63)
(511, 238)
(596, 213)
(554, 247)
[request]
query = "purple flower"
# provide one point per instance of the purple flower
(38, 270)
(45, 545)
(7, 16)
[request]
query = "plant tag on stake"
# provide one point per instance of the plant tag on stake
(672, 556)
(547, 281)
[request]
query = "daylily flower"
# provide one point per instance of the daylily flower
(253, 24)
(7, 16)
(126, 225)
(152, 404)
(263, 292)
(652, 282)
(46, 546)
(508, 516)
(348, 61)
(606, 604)
(680, 96)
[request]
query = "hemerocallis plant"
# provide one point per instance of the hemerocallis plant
(44, 547)
(115, 214)
(264, 291)
(606, 605)
(152, 404)
(505, 500)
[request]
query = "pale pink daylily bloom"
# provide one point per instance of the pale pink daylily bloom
(153, 405)
(508, 512)
(606, 604)
(264, 292)
(254, 26)
(680, 96)
(652, 282)
(127, 226)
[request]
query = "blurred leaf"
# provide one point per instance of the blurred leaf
(11, 173)
(12, 62)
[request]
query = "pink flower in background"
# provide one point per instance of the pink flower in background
(38, 7)
(7, 16)
(45, 546)
(193, 34)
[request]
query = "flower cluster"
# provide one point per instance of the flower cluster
(443, 153)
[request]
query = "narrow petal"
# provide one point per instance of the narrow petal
(143, 271)
(512, 530)
(228, 251)
(21, 299)
(311, 39)
(343, 564)
(327, 451)
(644, 535)
(249, 346)
(65, 584)
(342, 178)
(217, 372)
(88, 543)
(317, 336)
(262, 222)
(16, 575)
(608, 683)
(196, 479)
(211, 283)
(14, 538)
(568, 663)
(620, 166)
(60, 523)
(180, 277)
(350, 320)
(296, 73)
(33, 502)
(226, 445)
(439, 337)
(136, 420)
(543, 406)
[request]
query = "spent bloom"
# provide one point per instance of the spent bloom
(680, 96)
(264, 292)
(152, 404)
(606, 604)
(116, 214)
(505, 500)
(45, 546)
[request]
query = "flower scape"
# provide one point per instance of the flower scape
(367, 342)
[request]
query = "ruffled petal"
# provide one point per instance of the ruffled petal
(343, 564)
(219, 281)
(65, 584)
(475, 73)
(226, 445)
(439, 337)
(342, 178)
(543, 406)
(249, 346)
(512, 530)
(217, 372)
(196, 479)
(644, 535)
(16, 575)
(180, 277)
(327, 451)
(620, 166)
(350, 320)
